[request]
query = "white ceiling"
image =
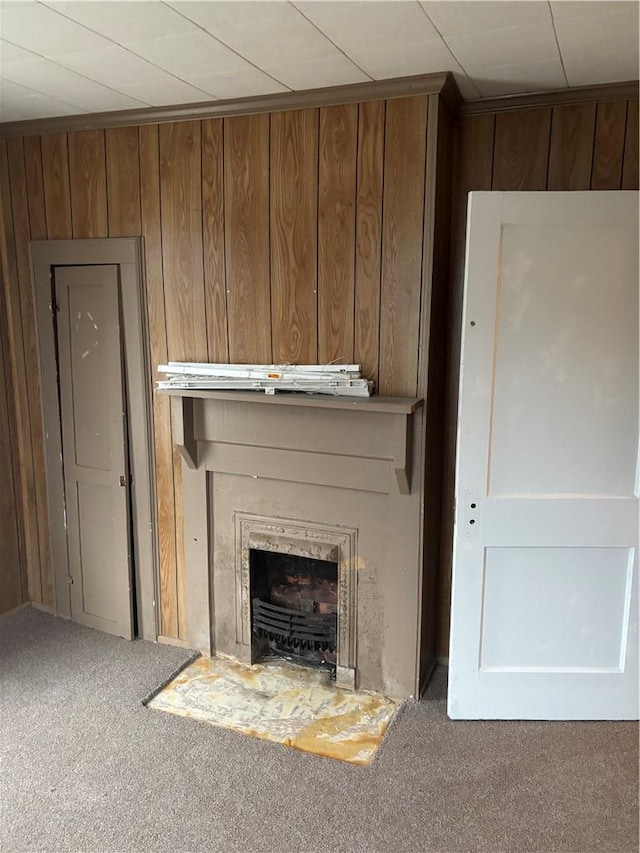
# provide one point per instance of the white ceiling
(64, 58)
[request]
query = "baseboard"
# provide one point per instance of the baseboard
(172, 641)
(45, 608)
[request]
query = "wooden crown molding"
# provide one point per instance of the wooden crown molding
(557, 97)
(425, 84)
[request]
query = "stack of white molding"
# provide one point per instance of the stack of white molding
(342, 380)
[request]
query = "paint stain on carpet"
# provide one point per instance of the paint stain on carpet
(292, 705)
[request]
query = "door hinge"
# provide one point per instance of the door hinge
(69, 580)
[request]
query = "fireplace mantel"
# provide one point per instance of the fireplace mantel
(400, 409)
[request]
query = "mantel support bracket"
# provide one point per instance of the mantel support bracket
(183, 432)
(403, 445)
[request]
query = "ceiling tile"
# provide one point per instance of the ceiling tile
(47, 77)
(101, 99)
(582, 8)
(124, 20)
(334, 70)
(41, 30)
(238, 85)
(193, 54)
(520, 78)
(10, 53)
(464, 17)
(601, 34)
(467, 87)
(601, 68)
(112, 66)
(403, 60)
(170, 91)
(280, 33)
(351, 25)
(533, 43)
(18, 102)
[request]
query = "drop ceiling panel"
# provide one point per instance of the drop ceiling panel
(113, 66)
(238, 85)
(606, 33)
(600, 68)
(466, 18)
(530, 44)
(166, 92)
(186, 55)
(334, 70)
(509, 79)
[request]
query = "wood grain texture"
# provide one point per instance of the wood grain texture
(404, 165)
(9, 240)
(35, 188)
(123, 181)
(181, 204)
(294, 194)
(571, 150)
(630, 165)
(608, 148)
(165, 498)
(338, 150)
(57, 191)
(521, 153)
(11, 585)
(34, 441)
(246, 213)
(213, 240)
(87, 173)
(371, 120)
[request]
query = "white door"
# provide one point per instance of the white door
(545, 577)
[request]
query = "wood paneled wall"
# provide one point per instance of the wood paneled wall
(589, 146)
(292, 236)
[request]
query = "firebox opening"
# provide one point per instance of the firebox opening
(294, 608)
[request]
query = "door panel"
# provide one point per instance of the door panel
(545, 593)
(94, 446)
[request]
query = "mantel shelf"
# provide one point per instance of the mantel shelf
(401, 409)
(391, 405)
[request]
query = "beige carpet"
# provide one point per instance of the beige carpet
(291, 705)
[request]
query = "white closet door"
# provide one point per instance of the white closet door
(545, 579)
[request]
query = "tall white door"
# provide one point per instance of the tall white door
(545, 577)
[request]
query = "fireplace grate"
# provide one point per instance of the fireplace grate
(294, 628)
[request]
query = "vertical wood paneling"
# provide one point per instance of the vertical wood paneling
(165, 501)
(181, 200)
(123, 181)
(12, 588)
(404, 165)
(35, 187)
(20, 210)
(246, 199)
(338, 148)
(55, 169)
(571, 151)
(294, 194)
(608, 149)
(213, 240)
(521, 154)
(10, 238)
(87, 173)
(630, 165)
(371, 119)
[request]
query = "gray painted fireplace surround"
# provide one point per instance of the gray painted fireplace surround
(315, 476)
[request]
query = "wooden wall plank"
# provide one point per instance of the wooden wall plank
(123, 181)
(521, 153)
(22, 233)
(87, 172)
(213, 225)
(35, 187)
(402, 227)
(630, 165)
(11, 288)
(57, 191)
(181, 204)
(571, 150)
(11, 570)
(294, 193)
(165, 499)
(338, 149)
(246, 202)
(608, 149)
(371, 120)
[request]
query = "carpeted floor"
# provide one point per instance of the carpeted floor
(86, 768)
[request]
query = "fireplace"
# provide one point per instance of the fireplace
(294, 608)
(303, 525)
